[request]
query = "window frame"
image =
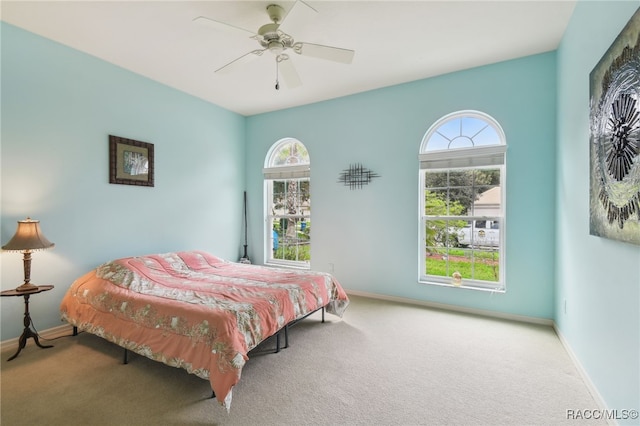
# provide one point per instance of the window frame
(296, 171)
(492, 156)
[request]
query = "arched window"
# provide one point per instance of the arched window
(288, 204)
(462, 202)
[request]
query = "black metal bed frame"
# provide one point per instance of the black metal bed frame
(284, 330)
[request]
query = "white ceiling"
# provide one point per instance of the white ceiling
(395, 42)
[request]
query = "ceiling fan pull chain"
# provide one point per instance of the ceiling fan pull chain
(277, 82)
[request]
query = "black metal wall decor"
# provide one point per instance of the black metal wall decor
(356, 176)
(615, 139)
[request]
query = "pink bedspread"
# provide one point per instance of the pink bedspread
(194, 310)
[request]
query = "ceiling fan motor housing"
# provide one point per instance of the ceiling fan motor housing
(269, 31)
(274, 40)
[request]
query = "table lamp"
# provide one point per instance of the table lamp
(28, 238)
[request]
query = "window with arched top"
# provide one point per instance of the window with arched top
(462, 202)
(288, 204)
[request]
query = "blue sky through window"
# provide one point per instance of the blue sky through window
(462, 132)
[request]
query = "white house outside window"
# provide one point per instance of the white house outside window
(462, 202)
(288, 204)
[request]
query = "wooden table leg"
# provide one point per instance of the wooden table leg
(27, 333)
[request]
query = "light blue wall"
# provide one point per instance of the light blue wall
(58, 108)
(371, 235)
(598, 278)
(59, 105)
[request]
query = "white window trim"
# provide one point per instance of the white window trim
(268, 260)
(287, 172)
(271, 173)
(423, 278)
(490, 156)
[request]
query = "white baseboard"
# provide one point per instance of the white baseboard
(583, 374)
(446, 307)
(51, 333)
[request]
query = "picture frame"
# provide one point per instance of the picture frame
(131, 162)
(614, 151)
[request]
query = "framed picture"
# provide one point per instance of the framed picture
(130, 162)
(614, 151)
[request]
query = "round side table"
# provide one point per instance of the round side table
(28, 332)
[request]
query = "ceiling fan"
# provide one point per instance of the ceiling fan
(274, 37)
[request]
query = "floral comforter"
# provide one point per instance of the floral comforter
(194, 310)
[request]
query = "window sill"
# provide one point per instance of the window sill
(288, 266)
(469, 286)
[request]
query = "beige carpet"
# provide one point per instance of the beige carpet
(384, 363)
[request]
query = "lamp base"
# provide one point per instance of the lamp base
(26, 287)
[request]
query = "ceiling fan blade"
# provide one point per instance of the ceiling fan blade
(242, 60)
(288, 72)
(220, 26)
(330, 53)
(298, 17)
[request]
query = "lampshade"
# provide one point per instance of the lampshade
(28, 236)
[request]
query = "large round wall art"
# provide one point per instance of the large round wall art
(615, 138)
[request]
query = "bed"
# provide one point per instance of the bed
(196, 311)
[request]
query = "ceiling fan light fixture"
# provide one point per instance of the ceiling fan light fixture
(276, 47)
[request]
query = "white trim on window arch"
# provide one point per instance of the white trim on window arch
(481, 153)
(292, 167)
